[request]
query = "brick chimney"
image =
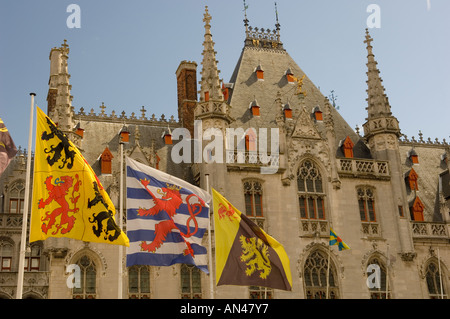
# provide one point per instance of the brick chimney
(187, 93)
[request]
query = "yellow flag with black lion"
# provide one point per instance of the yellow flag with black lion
(68, 198)
(245, 254)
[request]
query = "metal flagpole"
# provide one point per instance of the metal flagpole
(23, 240)
(211, 273)
(440, 274)
(387, 272)
(120, 284)
(328, 270)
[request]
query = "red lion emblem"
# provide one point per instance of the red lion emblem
(169, 203)
(224, 212)
(58, 193)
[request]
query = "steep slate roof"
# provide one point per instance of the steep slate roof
(276, 61)
(429, 169)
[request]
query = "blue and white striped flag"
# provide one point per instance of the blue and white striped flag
(166, 219)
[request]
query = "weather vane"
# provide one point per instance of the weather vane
(245, 9)
(276, 11)
(333, 99)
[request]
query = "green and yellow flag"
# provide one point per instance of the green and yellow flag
(68, 199)
(245, 254)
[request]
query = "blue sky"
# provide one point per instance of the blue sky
(126, 53)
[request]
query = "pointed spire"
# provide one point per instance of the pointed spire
(210, 82)
(245, 17)
(277, 25)
(378, 103)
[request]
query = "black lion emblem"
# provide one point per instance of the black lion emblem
(98, 219)
(63, 145)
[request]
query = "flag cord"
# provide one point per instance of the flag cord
(23, 240)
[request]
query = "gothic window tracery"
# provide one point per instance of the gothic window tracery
(379, 284)
(310, 192)
(88, 279)
(139, 282)
(366, 202)
(16, 198)
(191, 285)
(433, 279)
(6, 253)
(315, 277)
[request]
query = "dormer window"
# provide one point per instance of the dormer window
(318, 116)
(347, 147)
(259, 73)
(206, 96)
(167, 136)
(254, 108)
(79, 131)
(412, 179)
(444, 158)
(106, 161)
(225, 92)
(287, 111)
(417, 210)
(124, 135)
(413, 156)
(289, 76)
(250, 140)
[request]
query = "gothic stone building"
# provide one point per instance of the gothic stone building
(386, 195)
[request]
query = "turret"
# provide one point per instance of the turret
(59, 100)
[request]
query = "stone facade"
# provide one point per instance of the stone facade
(364, 194)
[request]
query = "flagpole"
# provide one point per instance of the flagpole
(387, 272)
(120, 282)
(328, 270)
(23, 240)
(211, 273)
(440, 274)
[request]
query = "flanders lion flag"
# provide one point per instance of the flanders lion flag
(68, 199)
(245, 254)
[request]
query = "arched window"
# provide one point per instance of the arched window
(88, 279)
(191, 284)
(6, 253)
(16, 198)
(367, 211)
(33, 258)
(366, 202)
(253, 199)
(257, 292)
(377, 282)
(315, 274)
(139, 282)
(433, 278)
(310, 191)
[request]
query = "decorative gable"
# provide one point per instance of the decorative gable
(305, 127)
